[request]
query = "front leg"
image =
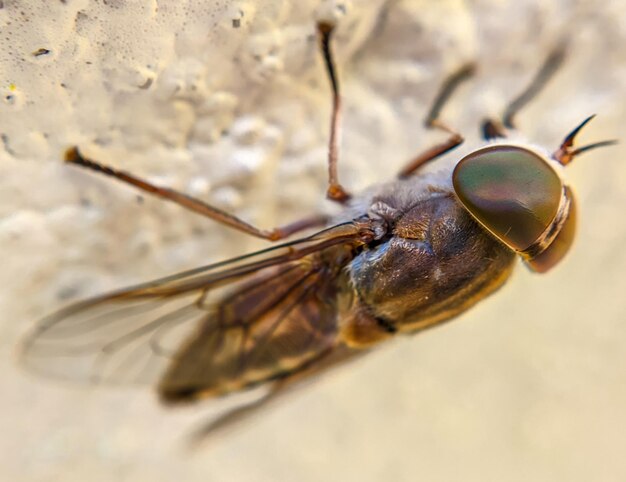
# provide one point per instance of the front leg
(433, 122)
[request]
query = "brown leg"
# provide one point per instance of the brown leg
(73, 156)
(334, 357)
(494, 129)
(432, 121)
(546, 72)
(335, 191)
(231, 418)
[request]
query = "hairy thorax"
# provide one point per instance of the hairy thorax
(434, 262)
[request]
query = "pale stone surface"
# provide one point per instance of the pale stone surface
(528, 386)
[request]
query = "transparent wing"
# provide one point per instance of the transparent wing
(135, 335)
(279, 322)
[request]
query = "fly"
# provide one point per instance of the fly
(409, 254)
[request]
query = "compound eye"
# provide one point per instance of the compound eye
(511, 191)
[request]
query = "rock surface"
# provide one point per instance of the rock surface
(227, 100)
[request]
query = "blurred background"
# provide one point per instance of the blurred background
(228, 101)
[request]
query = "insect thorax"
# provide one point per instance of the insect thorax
(434, 263)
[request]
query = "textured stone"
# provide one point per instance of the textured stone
(230, 98)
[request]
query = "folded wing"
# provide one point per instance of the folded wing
(207, 331)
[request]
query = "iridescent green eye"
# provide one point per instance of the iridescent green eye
(511, 191)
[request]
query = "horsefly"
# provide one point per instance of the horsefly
(407, 255)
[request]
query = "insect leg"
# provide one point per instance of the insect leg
(331, 358)
(433, 122)
(493, 128)
(335, 191)
(73, 156)
(233, 417)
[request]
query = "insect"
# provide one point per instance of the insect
(404, 256)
